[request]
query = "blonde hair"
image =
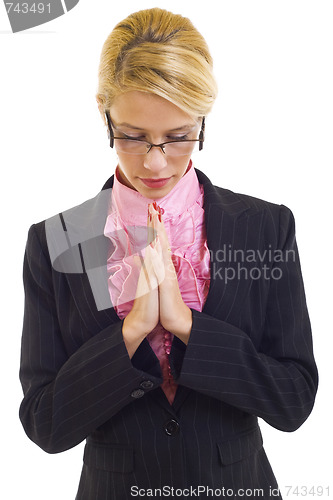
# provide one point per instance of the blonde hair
(158, 52)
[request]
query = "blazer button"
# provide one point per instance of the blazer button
(171, 427)
(147, 384)
(137, 393)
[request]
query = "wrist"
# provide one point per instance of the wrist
(182, 327)
(133, 334)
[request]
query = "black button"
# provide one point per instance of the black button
(171, 427)
(147, 384)
(137, 393)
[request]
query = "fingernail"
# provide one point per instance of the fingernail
(159, 217)
(155, 205)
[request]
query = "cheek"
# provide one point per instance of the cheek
(182, 164)
(129, 164)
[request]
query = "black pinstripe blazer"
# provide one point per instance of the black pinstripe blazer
(249, 355)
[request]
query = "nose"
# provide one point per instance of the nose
(155, 160)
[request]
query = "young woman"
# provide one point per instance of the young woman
(165, 315)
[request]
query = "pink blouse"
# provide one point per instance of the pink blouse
(126, 226)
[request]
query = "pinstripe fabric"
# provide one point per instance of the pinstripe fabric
(249, 356)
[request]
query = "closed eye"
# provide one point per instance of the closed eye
(168, 138)
(132, 138)
(178, 138)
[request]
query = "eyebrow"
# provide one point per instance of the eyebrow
(187, 126)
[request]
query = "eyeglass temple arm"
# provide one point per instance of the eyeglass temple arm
(110, 131)
(202, 133)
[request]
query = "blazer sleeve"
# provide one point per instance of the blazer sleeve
(275, 378)
(66, 396)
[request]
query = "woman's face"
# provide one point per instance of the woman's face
(154, 119)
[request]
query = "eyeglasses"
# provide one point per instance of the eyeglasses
(133, 146)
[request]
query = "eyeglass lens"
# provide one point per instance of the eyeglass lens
(177, 148)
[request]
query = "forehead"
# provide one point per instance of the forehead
(148, 112)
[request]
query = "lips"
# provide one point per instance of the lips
(156, 183)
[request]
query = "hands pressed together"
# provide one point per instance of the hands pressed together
(158, 298)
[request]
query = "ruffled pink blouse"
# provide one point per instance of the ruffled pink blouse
(126, 226)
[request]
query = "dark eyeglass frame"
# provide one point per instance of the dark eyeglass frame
(112, 136)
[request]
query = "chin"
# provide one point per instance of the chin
(154, 194)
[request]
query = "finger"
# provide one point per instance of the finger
(164, 242)
(152, 224)
(147, 279)
(150, 230)
(146, 274)
(158, 262)
(158, 223)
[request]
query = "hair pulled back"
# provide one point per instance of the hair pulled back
(158, 52)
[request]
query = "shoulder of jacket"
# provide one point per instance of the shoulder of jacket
(233, 202)
(249, 202)
(84, 213)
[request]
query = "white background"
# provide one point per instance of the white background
(270, 136)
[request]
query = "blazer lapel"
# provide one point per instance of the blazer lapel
(233, 230)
